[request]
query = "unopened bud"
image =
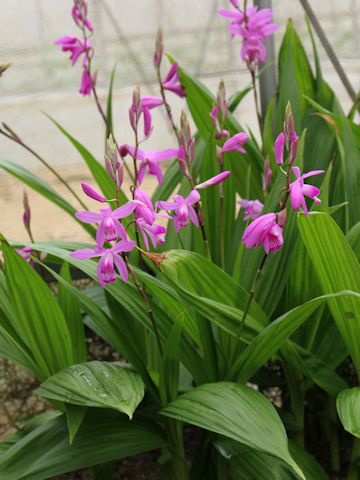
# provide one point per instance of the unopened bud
(213, 180)
(235, 3)
(267, 174)
(282, 215)
(90, 192)
(191, 150)
(119, 175)
(221, 100)
(159, 48)
(219, 155)
(109, 167)
(132, 119)
(185, 127)
(27, 212)
(294, 143)
(288, 125)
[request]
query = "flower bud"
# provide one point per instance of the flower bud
(119, 175)
(109, 167)
(288, 125)
(90, 192)
(27, 212)
(213, 180)
(267, 174)
(219, 155)
(282, 215)
(191, 150)
(159, 48)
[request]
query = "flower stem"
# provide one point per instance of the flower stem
(17, 139)
(258, 114)
(222, 229)
(97, 101)
(167, 106)
(146, 302)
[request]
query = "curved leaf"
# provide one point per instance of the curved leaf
(96, 384)
(237, 412)
(348, 408)
(104, 435)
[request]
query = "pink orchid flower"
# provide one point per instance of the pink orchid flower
(264, 230)
(145, 208)
(150, 161)
(253, 208)
(183, 209)
(145, 105)
(172, 81)
(155, 232)
(24, 253)
(298, 190)
(109, 227)
(79, 14)
(109, 256)
(75, 45)
(235, 143)
(215, 122)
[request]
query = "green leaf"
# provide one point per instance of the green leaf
(237, 412)
(255, 465)
(75, 415)
(109, 102)
(271, 338)
(104, 435)
(194, 273)
(337, 268)
(348, 408)
(353, 237)
(295, 78)
(43, 188)
(39, 321)
(72, 314)
(96, 384)
(169, 372)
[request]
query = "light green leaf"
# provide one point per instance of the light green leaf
(237, 412)
(337, 268)
(39, 321)
(96, 384)
(348, 408)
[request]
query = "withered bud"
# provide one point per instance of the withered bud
(191, 150)
(221, 100)
(156, 258)
(282, 215)
(219, 155)
(185, 127)
(136, 101)
(109, 167)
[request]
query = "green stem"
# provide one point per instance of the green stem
(222, 228)
(261, 127)
(353, 473)
(176, 449)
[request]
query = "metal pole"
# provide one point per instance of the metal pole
(268, 79)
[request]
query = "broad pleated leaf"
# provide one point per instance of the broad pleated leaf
(39, 321)
(348, 408)
(255, 465)
(96, 384)
(271, 338)
(237, 412)
(104, 435)
(337, 269)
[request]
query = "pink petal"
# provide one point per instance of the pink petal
(123, 211)
(192, 198)
(120, 265)
(100, 234)
(279, 149)
(89, 217)
(84, 254)
(193, 216)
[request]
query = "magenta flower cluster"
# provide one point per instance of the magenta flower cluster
(80, 46)
(254, 26)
